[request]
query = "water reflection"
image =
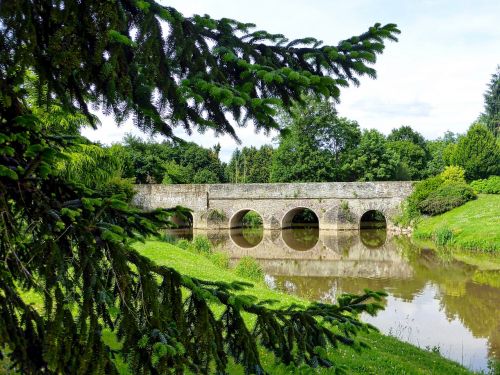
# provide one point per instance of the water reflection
(247, 237)
(373, 238)
(301, 239)
(432, 301)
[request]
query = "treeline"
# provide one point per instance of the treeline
(318, 145)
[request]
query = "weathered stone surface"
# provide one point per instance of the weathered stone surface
(338, 205)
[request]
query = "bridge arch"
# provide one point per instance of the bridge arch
(183, 220)
(373, 219)
(290, 218)
(236, 220)
(246, 236)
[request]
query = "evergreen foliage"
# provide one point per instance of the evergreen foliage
(478, 153)
(250, 165)
(491, 115)
(71, 243)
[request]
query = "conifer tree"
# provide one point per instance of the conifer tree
(71, 244)
(491, 115)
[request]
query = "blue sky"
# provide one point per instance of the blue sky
(433, 79)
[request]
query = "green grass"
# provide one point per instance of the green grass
(475, 226)
(387, 355)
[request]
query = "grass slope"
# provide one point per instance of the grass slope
(386, 356)
(475, 225)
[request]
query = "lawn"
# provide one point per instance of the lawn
(475, 225)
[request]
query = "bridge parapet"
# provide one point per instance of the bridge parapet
(338, 205)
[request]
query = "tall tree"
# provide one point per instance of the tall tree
(411, 148)
(439, 153)
(372, 160)
(478, 153)
(250, 165)
(315, 145)
(71, 244)
(491, 115)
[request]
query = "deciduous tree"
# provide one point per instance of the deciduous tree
(372, 159)
(316, 144)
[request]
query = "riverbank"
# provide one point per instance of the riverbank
(387, 355)
(473, 227)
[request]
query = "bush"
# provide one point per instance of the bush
(183, 244)
(252, 220)
(421, 191)
(249, 268)
(220, 259)
(119, 186)
(424, 188)
(446, 197)
(491, 185)
(453, 173)
(202, 245)
(443, 236)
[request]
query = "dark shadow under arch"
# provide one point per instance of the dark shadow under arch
(238, 220)
(300, 228)
(300, 217)
(373, 219)
(183, 220)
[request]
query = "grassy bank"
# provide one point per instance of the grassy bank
(386, 356)
(475, 226)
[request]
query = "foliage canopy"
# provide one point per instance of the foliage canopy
(71, 244)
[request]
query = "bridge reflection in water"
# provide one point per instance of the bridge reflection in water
(313, 253)
(432, 301)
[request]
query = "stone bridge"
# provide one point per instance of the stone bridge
(337, 205)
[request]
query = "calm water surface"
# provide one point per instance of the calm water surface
(432, 303)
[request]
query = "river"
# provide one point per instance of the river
(434, 302)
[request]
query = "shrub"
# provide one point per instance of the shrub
(446, 197)
(249, 268)
(443, 236)
(453, 173)
(252, 220)
(183, 244)
(119, 186)
(216, 216)
(491, 185)
(168, 238)
(421, 191)
(202, 245)
(220, 259)
(424, 188)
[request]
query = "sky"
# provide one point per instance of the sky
(433, 79)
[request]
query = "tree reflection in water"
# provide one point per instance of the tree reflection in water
(247, 237)
(373, 238)
(301, 239)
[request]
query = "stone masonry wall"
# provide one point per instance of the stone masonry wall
(338, 205)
